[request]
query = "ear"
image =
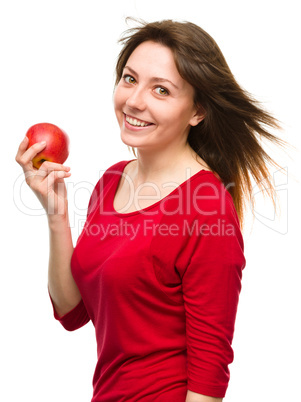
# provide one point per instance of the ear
(199, 115)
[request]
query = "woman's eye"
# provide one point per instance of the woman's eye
(161, 91)
(129, 79)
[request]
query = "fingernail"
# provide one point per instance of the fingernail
(43, 142)
(25, 138)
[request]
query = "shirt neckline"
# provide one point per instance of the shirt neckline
(139, 211)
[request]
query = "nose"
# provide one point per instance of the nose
(136, 99)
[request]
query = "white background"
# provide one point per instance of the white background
(57, 65)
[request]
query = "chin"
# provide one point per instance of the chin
(130, 141)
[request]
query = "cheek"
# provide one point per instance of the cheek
(118, 98)
(172, 114)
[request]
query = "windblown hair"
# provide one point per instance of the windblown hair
(228, 139)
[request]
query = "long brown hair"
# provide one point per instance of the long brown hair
(228, 139)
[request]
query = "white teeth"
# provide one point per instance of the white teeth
(135, 122)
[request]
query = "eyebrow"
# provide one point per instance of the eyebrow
(155, 79)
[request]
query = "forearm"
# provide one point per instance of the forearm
(61, 285)
(194, 397)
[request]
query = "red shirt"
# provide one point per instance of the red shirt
(161, 286)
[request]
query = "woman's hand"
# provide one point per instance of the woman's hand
(194, 397)
(47, 182)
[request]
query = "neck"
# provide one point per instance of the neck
(161, 164)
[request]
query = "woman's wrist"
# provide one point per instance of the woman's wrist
(195, 397)
(57, 222)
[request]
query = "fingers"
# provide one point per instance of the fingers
(51, 172)
(22, 148)
(24, 156)
(48, 167)
(47, 182)
(44, 182)
(56, 176)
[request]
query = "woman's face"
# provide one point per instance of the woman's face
(153, 104)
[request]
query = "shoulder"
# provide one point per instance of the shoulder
(121, 169)
(108, 176)
(202, 195)
(117, 169)
(121, 166)
(204, 209)
(209, 195)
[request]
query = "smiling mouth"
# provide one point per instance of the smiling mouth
(136, 122)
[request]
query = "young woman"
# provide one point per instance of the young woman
(158, 265)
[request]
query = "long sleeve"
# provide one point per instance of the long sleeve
(74, 319)
(78, 316)
(211, 286)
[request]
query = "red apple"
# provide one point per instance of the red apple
(57, 148)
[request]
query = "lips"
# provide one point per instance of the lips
(133, 121)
